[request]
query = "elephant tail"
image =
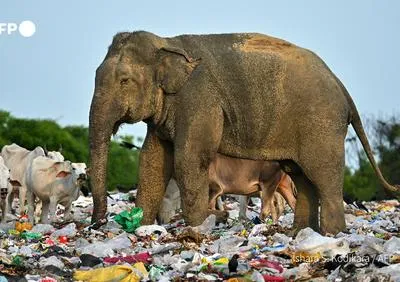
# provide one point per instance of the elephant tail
(355, 121)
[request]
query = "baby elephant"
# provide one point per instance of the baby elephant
(229, 175)
(53, 182)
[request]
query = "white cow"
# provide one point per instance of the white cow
(55, 155)
(53, 183)
(6, 188)
(17, 159)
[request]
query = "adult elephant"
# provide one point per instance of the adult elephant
(247, 96)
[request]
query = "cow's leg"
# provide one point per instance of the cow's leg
(31, 206)
(10, 198)
(44, 218)
(267, 197)
(23, 193)
(243, 200)
(215, 191)
(220, 203)
(67, 212)
(3, 206)
(274, 209)
(287, 189)
(38, 207)
(53, 209)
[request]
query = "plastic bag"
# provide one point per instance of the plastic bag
(107, 248)
(23, 226)
(130, 220)
(43, 229)
(310, 242)
(30, 235)
(207, 225)
(142, 257)
(68, 230)
(147, 230)
(123, 273)
(53, 260)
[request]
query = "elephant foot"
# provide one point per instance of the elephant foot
(301, 222)
(333, 226)
(296, 229)
(221, 216)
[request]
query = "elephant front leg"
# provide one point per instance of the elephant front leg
(193, 183)
(155, 170)
(197, 142)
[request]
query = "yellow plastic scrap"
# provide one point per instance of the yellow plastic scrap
(22, 226)
(222, 261)
(387, 206)
(244, 233)
(204, 260)
(142, 269)
(123, 273)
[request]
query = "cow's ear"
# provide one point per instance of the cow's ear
(15, 183)
(63, 174)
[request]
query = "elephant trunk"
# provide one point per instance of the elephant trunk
(100, 130)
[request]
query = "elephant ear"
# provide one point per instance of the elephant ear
(174, 69)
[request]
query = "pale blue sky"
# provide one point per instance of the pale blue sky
(51, 74)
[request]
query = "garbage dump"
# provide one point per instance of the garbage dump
(121, 249)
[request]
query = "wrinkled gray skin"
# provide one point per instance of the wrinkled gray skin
(247, 96)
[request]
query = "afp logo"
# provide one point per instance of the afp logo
(25, 28)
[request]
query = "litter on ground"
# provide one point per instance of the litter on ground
(122, 249)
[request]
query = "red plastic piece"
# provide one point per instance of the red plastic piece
(142, 257)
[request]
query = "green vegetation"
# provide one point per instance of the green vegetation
(29, 133)
(360, 181)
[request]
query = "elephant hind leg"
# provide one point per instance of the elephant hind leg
(329, 183)
(306, 209)
(327, 174)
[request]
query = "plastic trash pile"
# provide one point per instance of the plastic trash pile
(123, 250)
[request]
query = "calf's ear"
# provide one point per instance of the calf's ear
(15, 183)
(63, 174)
